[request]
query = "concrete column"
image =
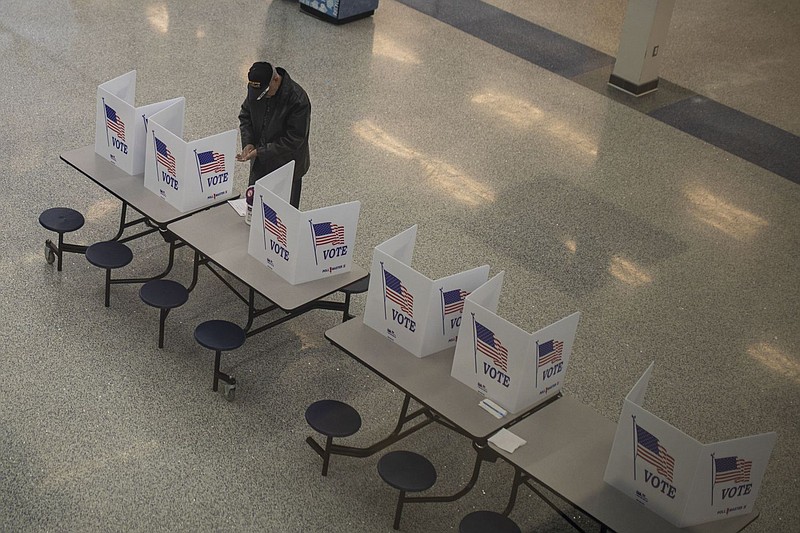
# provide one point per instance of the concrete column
(641, 44)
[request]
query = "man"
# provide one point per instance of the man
(274, 123)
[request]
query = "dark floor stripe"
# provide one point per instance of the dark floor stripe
(733, 131)
(515, 35)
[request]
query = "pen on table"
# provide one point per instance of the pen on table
(493, 408)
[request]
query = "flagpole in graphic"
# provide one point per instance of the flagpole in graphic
(383, 281)
(263, 225)
(712, 479)
(156, 149)
(145, 122)
(199, 174)
(441, 301)
(537, 364)
(475, 343)
(105, 116)
(313, 241)
(634, 446)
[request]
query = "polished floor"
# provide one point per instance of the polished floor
(650, 216)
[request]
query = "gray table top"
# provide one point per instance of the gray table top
(426, 379)
(222, 235)
(567, 450)
(129, 189)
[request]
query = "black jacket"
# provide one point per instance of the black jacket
(278, 127)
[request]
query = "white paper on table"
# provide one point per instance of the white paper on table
(239, 205)
(505, 440)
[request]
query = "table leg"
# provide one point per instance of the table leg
(397, 434)
(512, 499)
(125, 224)
(170, 264)
(527, 481)
(195, 271)
(483, 453)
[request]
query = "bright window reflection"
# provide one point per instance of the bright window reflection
(523, 114)
(158, 16)
(628, 272)
(441, 174)
(724, 216)
(390, 49)
(518, 112)
(774, 359)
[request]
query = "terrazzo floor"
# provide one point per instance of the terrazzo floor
(673, 249)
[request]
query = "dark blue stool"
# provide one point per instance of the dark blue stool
(220, 336)
(357, 287)
(61, 220)
(331, 418)
(164, 294)
(407, 472)
(109, 255)
(483, 521)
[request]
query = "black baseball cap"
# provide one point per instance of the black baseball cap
(258, 78)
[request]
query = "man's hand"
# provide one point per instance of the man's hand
(248, 152)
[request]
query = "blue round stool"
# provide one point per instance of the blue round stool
(483, 521)
(163, 294)
(60, 220)
(220, 336)
(331, 418)
(408, 472)
(109, 255)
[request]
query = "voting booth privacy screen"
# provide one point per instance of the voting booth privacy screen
(677, 477)
(421, 315)
(188, 175)
(120, 128)
(510, 366)
(300, 246)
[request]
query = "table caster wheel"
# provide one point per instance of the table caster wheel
(229, 391)
(49, 254)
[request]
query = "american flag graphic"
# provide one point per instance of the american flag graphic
(164, 156)
(454, 301)
(732, 469)
(396, 292)
(328, 234)
(114, 123)
(550, 352)
(273, 223)
(211, 161)
(649, 449)
(491, 346)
